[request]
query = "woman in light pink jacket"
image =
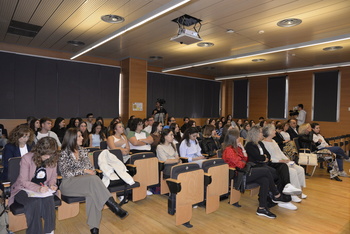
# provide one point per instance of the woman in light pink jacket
(36, 184)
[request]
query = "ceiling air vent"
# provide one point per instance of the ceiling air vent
(23, 29)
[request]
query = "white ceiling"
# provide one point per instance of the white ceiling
(64, 20)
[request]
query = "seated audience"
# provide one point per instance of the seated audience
(3, 136)
(155, 134)
(148, 127)
(293, 129)
(96, 135)
(104, 129)
(244, 131)
(224, 132)
(139, 140)
(89, 121)
(45, 130)
(258, 154)
(184, 126)
(239, 124)
(20, 142)
(282, 138)
(321, 143)
(189, 147)
(84, 132)
(38, 176)
(110, 127)
(296, 172)
(119, 141)
(177, 134)
(166, 151)
(236, 156)
(209, 143)
(170, 121)
(35, 126)
(79, 180)
(59, 128)
(218, 128)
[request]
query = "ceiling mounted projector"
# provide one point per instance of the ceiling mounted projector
(186, 36)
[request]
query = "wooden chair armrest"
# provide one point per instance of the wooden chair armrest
(174, 185)
(207, 179)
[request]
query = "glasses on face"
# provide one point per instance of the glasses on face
(25, 136)
(140, 124)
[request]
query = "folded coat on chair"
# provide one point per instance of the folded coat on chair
(113, 168)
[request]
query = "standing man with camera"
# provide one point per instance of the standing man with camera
(160, 114)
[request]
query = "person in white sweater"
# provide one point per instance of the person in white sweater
(296, 172)
(46, 125)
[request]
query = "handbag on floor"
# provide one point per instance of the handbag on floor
(307, 158)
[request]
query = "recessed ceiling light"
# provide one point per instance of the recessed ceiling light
(261, 32)
(154, 58)
(289, 22)
(258, 60)
(332, 48)
(76, 43)
(230, 31)
(113, 19)
(205, 44)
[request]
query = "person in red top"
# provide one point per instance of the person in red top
(235, 156)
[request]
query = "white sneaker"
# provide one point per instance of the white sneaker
(343, 174)
(149, 193)
(289, 189)
(121, 198)
(303, 196)
(195, 207)
(295, 198)
(288, 205)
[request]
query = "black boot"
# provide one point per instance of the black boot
(94, 231)
(116, 209)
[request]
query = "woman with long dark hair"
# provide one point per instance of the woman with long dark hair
(119, 141)
(96, 135)
(38, 176)
(59, 128)
(177, 133)
(79, 180)
(189, 146)
(166, 151)
(82, 126)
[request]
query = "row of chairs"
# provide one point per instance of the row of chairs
(341, 141)
(187, 185)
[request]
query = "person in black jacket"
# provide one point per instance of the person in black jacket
(306, 137)
(209, 144)
(293, 129)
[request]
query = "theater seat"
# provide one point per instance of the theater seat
(219, 172)
(186, 187)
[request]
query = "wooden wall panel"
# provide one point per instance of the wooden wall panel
(226, 98)
(257, 97)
